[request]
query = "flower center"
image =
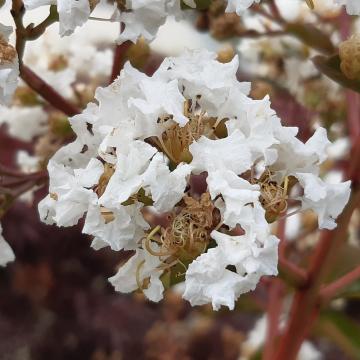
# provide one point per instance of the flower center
(273, 196)
(175, 140)
(188, 233)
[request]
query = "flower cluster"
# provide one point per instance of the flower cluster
(188, 171)
(9, 66)
(143, 18)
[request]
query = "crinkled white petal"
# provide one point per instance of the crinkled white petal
(294, 156)
(248, 254)
(327, 200)
(143, 22)
(235, 191)
(231, 153)
(9, 70)
(166, 187)
(72, 13)
(155, 104)
(72, 192)
(47, 210)
(144, 265)
(6, 253)
(203, 78)
(123, 232)
(209, 280)
(145, 17)
(129, 174)
(256, 120)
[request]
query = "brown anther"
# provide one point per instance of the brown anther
(7, 52)
(54, 196)
(190, 230)
(175, 140)
(107, 215)
(109, 170)
(273, 196)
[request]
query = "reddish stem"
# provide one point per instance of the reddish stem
(305, 307)
(276, 293)
(331, 290)
(47, 92)
(119, 59)
(353, 172)
(294, 274)
(353, 115)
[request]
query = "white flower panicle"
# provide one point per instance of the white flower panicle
(6, 253)
(187, 170)
(142, 18)
(9, 66)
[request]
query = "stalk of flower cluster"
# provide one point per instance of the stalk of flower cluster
(276, 294)
(32, 80)
(305, 306)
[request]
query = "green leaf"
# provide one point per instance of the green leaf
(342, 330)
(311, 36)
(330, 66)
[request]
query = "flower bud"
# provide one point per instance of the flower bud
(349, 52)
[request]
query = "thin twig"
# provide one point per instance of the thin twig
(305, 307)
(47, 92)
(331, 290)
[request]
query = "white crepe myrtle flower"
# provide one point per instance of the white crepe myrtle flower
(17, 118)
(209, 280)
(188, 171)
(140, 271)
(72, 13)
(119, 229)
(352, 6)
(143, 18)
(6, 253)
(327, 200)
(9, 66)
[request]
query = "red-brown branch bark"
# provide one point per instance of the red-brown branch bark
(331, 290)
(47, 92)
(305, 307)
(119, 59)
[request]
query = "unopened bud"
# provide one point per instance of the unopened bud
(349, 52)
(226, 54)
